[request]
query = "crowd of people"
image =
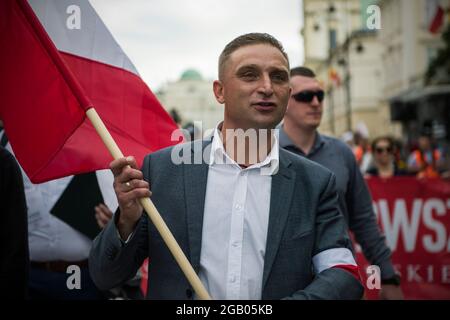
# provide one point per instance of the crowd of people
(386, 156)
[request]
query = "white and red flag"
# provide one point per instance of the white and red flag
(57, 60)
(435, 16)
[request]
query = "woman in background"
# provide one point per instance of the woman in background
(383, 155)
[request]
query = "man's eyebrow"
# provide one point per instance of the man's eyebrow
(276, 69)
(253, 67)
(246, 68)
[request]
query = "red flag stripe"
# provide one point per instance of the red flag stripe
(354, 270)
(142, 112)
(437, 21)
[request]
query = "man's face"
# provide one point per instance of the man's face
(254, 88)
(424, 143)
(306, 115)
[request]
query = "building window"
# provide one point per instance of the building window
(333, 39)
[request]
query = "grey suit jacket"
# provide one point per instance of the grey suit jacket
(304, 220)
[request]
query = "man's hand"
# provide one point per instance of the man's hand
(129, 186)
(391, 292)
(102, 215)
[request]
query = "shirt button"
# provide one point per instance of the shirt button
(238, 207)
(235, 244)
(232, 279)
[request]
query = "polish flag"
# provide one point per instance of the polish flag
(435, 14)
(57, 60)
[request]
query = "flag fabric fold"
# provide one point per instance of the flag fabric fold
(52, 68)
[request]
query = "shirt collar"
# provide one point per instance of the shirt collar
(269, 166)
(286, 142)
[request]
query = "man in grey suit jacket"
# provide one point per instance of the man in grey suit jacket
(262, 227)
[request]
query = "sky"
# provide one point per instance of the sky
(163, 38)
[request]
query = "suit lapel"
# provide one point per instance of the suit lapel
(195, 179)
(281, 195)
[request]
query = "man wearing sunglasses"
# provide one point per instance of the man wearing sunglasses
(299, 135)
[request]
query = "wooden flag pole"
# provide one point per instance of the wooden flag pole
(152, 212)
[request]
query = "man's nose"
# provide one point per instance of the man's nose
(266, 86)
(315, 102)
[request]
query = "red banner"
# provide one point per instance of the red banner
(415, 218)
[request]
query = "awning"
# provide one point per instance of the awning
(404, 105)
(420, 94)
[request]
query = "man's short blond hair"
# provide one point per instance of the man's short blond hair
(247, 40)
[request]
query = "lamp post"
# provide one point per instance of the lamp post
(348, 94)
(331, 110)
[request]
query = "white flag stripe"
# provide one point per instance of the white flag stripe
(105, 180)
(91, 41)
(332, 257)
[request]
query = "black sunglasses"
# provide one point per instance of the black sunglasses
(381, 149)
(308, 96)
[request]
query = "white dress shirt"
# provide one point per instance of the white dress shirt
(235, 224)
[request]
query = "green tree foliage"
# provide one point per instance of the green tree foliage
(439, 69)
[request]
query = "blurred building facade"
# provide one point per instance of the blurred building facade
(411, 37)
(363, 69)
(346, 56)
(193, 99)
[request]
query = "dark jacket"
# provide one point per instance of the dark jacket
(304, 220)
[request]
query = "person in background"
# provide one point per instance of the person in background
(362, 152)
(384, 161)
(57, 234)
(14, 256)
(347, 138)
(191, 131)
(176, 117)
(427, 161)
(399, 155)
(299, 135)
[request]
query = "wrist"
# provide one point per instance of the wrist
(124, 226)
(394, 280)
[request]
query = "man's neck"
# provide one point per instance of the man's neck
(241, 146)
(303, 138)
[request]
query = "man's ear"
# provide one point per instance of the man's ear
(289, 99)
(219, 91)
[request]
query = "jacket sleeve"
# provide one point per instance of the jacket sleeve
(113, 261)
(332, 280)
(363, 223)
